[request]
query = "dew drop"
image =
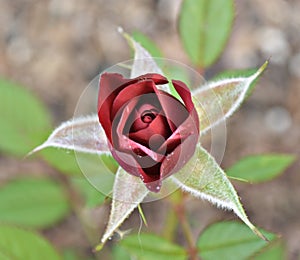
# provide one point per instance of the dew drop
(120, 29)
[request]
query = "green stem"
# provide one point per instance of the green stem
(170, 226)
(181, 214)
(171, 222)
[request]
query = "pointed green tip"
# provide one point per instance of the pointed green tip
(259, 71)
(260, 235)
(127, 37)
(263, 67)
(98, 247)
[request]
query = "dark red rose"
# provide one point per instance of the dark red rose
(150, 133)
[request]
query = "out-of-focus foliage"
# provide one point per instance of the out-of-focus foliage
(149, 246)
(230, 241)
(32, 202)
(259, 168)
(204, 27)
(19, 244)
(24, 120)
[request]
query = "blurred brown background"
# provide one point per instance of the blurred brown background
(56, 47)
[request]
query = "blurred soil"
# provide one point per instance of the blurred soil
(55, 48)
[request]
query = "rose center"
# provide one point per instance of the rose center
(149, 115)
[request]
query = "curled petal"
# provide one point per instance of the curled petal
(179, 157)
(135, 91)
(108, 90)
(174, 110)
(186, 96)
(184, 93)
(154, 135)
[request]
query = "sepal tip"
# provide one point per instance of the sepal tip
(98, 247)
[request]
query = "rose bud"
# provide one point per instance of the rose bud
(150, 133)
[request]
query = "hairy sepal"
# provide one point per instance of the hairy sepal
(206, 180)
(83, 134)
(128, 192)
(143, 61)
(218, 100)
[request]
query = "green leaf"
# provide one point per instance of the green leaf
(70, 254)
(119, 252)
(208, 181)
(24, 121)
(36, 203)
(128, 192)
(150, 246)
(274, 251)
(216, 101)
(230, 240)
(20, 244)
(147, 43)
(5, 256)
(77, 254)
(204, 27)
(259, 168)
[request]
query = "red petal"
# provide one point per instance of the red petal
(136, 121)
(131, 163)
(186, 96)
(156, 78)
(150, 173)
(173, 109)
(183, 121)
(187, 132)
(171, 143)
(184, 93)
(179, 157)
(154, 135)
(122, 142)
(136, 90)
(110, 84)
